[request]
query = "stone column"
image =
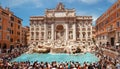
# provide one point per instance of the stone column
(91, 32)
(45, 31)
(52, 30)
(86, 36)
(34, 33)
(74, 31)
(39, 32)
(81, 32)
(67, 32)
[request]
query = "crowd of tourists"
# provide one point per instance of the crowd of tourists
(13, 53)
(115, 48)
(102, 64)
(10, 54)
(105, 62)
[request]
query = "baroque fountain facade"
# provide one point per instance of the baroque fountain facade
(60, 30)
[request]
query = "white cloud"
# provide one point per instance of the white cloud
(14, 3)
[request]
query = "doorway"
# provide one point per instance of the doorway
(112, 41)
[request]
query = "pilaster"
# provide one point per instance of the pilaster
(67, 31)
(74, 31)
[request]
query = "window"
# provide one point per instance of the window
(42, 33)
(84, 35)
(12, 32)
(0, 19)
(0, 35)
(117, 14)
(111, 27)
(8, 29)
(49, 26)
(11, 24)
(37, 35)
(118, 5)
(118, 24)
(111, 18)
(89, 24)
(19, 21)
(0, 45)
(18, 26)
(83, 25)
(77, 25)
(78, 34)
(12, 18)
(11, 39)
(32, 35)
(70, 26)
(18, 33)
(49, 34)
(88, 43)
(89, 34)
(118, 34)
(18, 40)
(0, 27)
(107, 28)
(89, 28)
(8, 37)
(32, 29)
(106, 22)
(42, 25)
(37, 29)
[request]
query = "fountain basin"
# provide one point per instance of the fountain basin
(61, 57)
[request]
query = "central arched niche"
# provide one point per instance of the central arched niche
(59, 27)
(59, 31)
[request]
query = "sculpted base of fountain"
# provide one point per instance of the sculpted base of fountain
(60, 46)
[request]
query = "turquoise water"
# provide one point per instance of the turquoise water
(62, 57)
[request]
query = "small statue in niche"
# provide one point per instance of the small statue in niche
(70, 35)
(49, 35)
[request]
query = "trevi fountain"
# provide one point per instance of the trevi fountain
(59, 36)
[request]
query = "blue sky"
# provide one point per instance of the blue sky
(26, 8)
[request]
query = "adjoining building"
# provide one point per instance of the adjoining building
(61, 26)
(25, 36)
(10, 29)
(108, 26)
(28, 35)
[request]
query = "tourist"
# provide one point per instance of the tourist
(66, 66)
(90, 66)
(118, 65)
(85, 66)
